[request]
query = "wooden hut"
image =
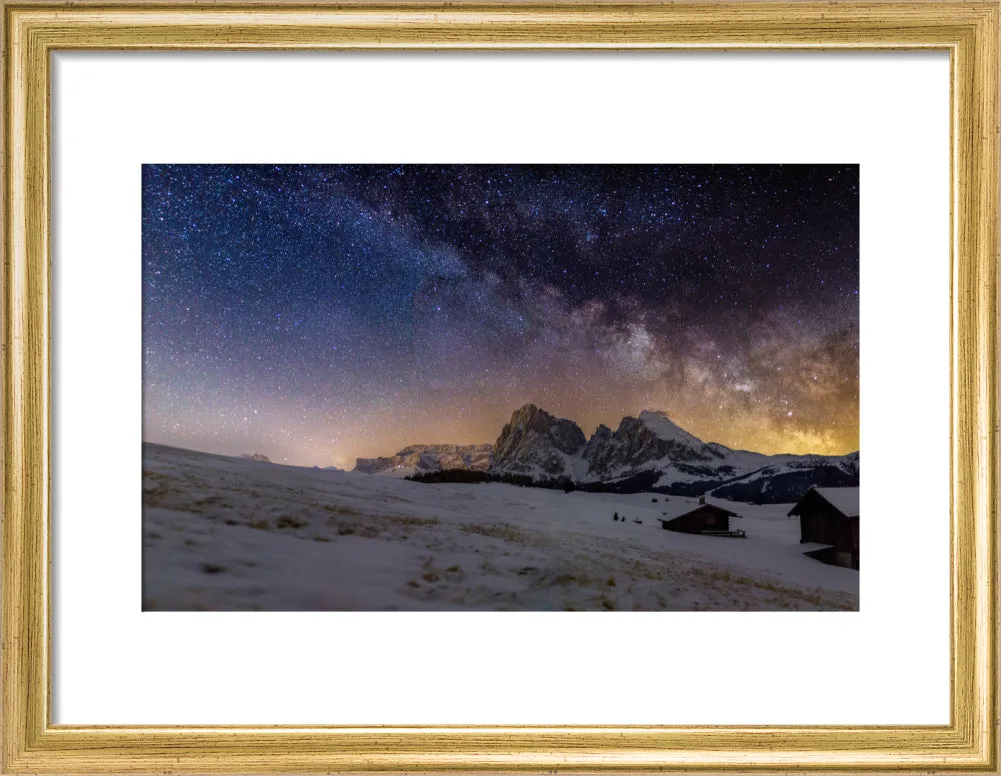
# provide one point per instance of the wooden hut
(830, 517)
(686, 516)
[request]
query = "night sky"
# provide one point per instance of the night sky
(317, 313)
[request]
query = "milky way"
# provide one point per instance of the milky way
(316, 313)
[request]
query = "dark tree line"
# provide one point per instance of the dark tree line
(468, 476)
(450, 475)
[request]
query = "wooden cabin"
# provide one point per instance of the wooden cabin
(698, 518)
(830, 516)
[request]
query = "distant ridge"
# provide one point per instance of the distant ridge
(429, 458)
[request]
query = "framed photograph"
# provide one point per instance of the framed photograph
(485, 387)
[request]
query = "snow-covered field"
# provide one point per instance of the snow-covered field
(229, 534)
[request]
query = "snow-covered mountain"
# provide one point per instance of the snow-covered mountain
(653, 453)
(645, 453)
(418, 459)
(647, 442)
(539, 445)
(783, 483)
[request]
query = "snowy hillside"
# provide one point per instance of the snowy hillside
(229, 534)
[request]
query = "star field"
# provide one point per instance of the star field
(321, 313)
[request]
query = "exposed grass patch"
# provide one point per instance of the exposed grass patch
(212, 568)
(785, 594)
(455, 568)
(495, 531)
(155, 495)
(413, 583)
(430, 576)
(345, 530)
(210, 501)
(287, 521)
(334, 509)
(410, 522)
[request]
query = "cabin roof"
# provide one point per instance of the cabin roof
(845, 500)
(678, 507)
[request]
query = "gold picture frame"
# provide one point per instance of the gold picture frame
(34, 30)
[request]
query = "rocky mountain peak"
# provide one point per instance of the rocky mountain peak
(660, 424)
(539, 444)
(640, 441)
(601, 432)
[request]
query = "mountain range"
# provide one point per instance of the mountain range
(645, 453)
(418, 459)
